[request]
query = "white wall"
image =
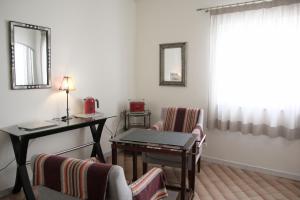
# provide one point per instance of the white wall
(94, 42)
(177, 21)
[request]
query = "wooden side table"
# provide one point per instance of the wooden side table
(129, 115)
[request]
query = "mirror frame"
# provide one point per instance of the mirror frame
(12, 25)
(162, 47)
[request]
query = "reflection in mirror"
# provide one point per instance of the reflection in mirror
(30, 56)
(172, 64)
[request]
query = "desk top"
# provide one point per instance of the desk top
(154, 138)
(59, 126)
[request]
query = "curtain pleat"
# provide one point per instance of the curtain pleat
(255, 68)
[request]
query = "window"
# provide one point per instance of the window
(255, 68)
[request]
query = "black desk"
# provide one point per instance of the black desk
(20, 139)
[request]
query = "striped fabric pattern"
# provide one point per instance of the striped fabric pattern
(84, 179)
(38, 176)
(73, 179)
(150, 186)
(170, 119)
(181, 119)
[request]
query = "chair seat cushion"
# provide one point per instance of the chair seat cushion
(44, 193)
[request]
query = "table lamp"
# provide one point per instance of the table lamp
(67, 85)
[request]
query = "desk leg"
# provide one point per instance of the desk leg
(96, 133)
(20, 146)
(183, 174)
(134, 166)
(114, 159)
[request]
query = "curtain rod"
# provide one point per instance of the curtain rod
(233, 5)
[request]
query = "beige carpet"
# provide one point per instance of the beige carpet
(218, 182)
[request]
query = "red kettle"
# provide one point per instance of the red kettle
(89, 105)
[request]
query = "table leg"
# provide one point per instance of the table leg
(134, 166)
(96, 133)
(125, 120)
(183, 174)
(128, 127)
(20, 146)
(114, 154)
(192, 185)
(145, 167)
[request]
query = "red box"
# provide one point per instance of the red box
(137, 106)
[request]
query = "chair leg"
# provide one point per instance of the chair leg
(145, 167)
(199, 163)
(189, 178)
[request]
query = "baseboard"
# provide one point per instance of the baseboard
(252, 168)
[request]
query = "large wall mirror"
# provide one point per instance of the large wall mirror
(30, 56)
(172, 64)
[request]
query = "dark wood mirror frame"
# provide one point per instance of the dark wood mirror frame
(12, 26)
(162, 67)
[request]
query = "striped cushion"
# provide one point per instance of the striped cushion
(150, 186)
(181, 119)
(84, 179)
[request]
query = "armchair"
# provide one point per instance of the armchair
(185, 120)
(72, 179)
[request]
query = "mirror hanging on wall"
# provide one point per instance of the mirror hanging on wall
(30, 56)
(172, 64)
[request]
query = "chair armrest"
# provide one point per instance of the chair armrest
(199, 126)
(201, 135)
(199, 131)
(158, 126)
(152, 185)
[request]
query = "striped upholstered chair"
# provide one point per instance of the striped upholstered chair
(61, 178)
(185, 120)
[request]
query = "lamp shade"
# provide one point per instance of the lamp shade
(67, 84)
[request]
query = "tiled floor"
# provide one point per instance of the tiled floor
(218, 182)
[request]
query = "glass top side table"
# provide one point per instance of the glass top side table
(130, 116)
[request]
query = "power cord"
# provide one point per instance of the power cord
(7, 165)
(10, 162)
(110, 131)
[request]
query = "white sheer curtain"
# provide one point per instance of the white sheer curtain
(255, 71)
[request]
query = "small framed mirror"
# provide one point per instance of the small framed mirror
(172, 64)
(30, 56)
